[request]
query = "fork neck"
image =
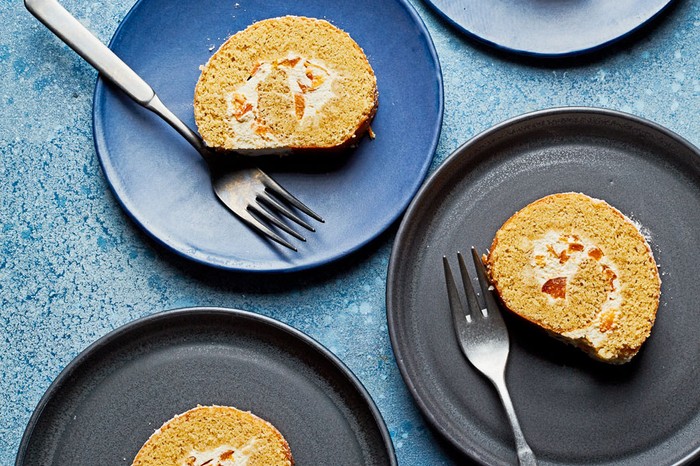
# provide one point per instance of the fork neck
(525, 455)
(156, 106)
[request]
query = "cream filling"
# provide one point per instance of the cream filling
(309, 80)
(300, 83)
(244, 126)
(547, 264)
(225, 455)
(591, 333)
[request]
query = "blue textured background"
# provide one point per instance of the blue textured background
(73, 267)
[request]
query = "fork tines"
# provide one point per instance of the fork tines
(459, 311)
(271, 201)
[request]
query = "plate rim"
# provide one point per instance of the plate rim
(542, 54)
(87, 354)
(394, 267)
(288, 268)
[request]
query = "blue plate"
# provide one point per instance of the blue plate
(164, 186)
(549, 28)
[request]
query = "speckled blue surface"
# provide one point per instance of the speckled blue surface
(73, 266)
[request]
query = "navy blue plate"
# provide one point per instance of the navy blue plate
(549, 28)
(163, 185)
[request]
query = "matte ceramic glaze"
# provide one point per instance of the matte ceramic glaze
(573, 410)
(548, 28)
(164, 186)
(111, 398)
(74, 266)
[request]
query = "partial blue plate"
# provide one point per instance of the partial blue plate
(164, 186)
(549, 28)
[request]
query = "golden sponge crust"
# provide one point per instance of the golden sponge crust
(220, 433)
(581, 270)
(325, 101)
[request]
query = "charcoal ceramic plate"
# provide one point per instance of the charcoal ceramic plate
(110, 399)
(573, 410)
(164, 186)
(548, 28)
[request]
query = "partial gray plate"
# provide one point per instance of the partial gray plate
(111, 398)
(573, 410)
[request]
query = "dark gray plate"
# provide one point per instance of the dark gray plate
(111, 398)
(573, 410)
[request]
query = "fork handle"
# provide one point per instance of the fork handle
(525, 455)
(110, 66)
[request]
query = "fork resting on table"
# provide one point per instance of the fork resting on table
(246, 190)
(483, 338)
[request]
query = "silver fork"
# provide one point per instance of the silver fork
(246, 190)
(483, 337)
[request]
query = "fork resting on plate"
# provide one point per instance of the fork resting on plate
(483, 338)
(246, 190)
